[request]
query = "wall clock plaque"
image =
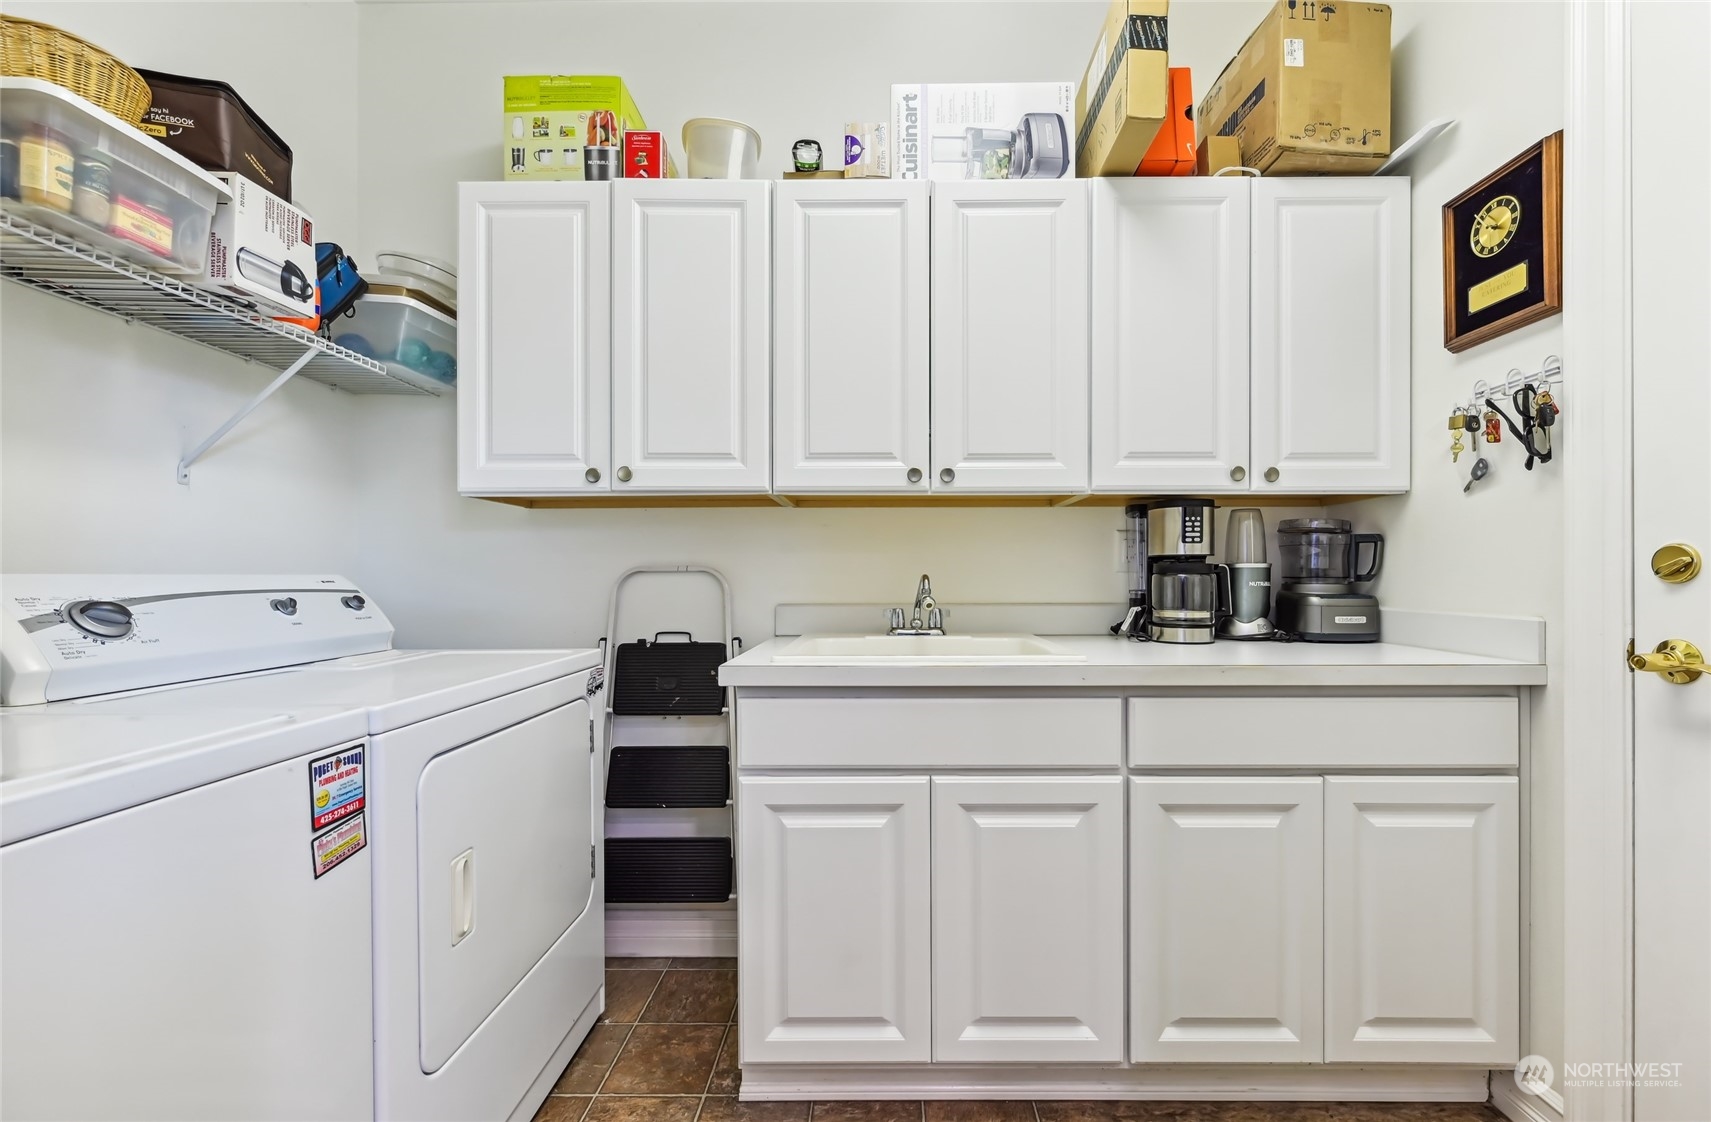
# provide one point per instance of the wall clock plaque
(1503, 248)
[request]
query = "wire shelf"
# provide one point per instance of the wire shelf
(50, 262)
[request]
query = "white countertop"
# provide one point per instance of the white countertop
(1114, 663)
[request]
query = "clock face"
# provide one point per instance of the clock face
(1495, 225)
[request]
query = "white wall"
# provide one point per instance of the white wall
(94, 414)
(1496, 550)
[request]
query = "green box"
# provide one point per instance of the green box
(548, 134)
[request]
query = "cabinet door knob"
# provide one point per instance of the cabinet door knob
(947, 476)
(1238, 473)
(623, 475)
(592, 475)
(1271, 475)
(914, 475)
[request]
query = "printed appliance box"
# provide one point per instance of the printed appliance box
(1010, 130)
(1172, 150)
(1123, 97)
(262, 246)
(568, 126)
(1309, 93)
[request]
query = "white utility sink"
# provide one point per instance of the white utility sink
(836, 650)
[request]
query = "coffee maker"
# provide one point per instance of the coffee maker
(1318, 601)
(1246, 578)
(1182, 591)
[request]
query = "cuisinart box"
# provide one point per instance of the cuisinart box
(1004, 130)
(260, 245)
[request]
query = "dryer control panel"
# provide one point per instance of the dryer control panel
(81, 635)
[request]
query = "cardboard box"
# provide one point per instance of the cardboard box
(1217, 153)
(568, 126)
(644, 155)
(1309, 93)
(1008, 130)
(261, 246)
(867, 150)
(1125, 94)
(1172, 150)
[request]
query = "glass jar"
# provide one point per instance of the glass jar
(46, 169)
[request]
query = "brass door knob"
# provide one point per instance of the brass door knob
(1676, 563)
(1679, 661)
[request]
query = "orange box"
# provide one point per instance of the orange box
(1172, 150)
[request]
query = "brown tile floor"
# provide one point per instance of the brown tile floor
(666, 1051)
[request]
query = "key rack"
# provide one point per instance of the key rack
(1547, 379)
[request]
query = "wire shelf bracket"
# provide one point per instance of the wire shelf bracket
(249, 407)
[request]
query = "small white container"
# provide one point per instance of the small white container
(429, 274)
(168, 195)
(721, 149)
(403, 328)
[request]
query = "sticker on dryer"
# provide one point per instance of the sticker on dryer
(333, 847)
(336, 788)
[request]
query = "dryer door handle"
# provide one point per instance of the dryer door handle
(463, 895)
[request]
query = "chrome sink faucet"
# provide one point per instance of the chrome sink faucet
(927, 618)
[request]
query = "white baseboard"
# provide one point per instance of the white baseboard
(676, 932)
(1522, 1107)
(1228, 1082)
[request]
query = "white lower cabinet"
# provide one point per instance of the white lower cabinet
(1224, 919)
(1422, 919)
(834, 913)
(1028, 919)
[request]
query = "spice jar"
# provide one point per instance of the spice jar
(92, 197)
(8, 168)
(45, 169)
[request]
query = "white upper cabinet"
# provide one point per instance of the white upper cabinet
(1027, 919)
(1331, 335)
(691, 332)
(1225, 919)
(850, 327)
(1010, 376)
(835, 917)
(1422, 928)
(1170, 335)
(533, 352)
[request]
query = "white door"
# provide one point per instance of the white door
(833, 920)
(503, 867)
(1672, 482)
(1422, 929)
(1331, 399)
(181, 960)
(1225, 920)
(850, 327)
(1170, 334)
(1010, 336)
(691, 335)
(534, 349)
(1028, 919)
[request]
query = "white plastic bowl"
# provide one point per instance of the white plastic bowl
(721, 149)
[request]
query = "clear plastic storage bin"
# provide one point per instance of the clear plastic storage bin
(90, 176)
(401, 328)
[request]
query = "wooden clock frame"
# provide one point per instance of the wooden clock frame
(1547, 153)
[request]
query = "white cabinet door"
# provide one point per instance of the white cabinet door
(850, 326)
(834, 938)
(1010, 336)
(1028, 919)
(1330, 342)
(690, 335)
(533, 355)
(1225, 920)
(1422, 937)
(1170, 334)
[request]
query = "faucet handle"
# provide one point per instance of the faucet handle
(935, 619)
(896, 617)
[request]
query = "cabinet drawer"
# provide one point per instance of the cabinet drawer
(1324, 732)
(955, 732)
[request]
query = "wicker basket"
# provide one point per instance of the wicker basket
(37, 50)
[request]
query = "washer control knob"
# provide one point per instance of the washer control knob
(284, 605)
(100, 619)
(354, 603)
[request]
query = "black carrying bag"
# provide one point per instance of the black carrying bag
(655, 679)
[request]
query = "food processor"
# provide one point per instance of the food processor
(1246, 578)
(1317, 600)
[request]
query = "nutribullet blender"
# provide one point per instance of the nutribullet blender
(1246, 578)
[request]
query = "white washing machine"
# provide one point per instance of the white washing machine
(482, 827)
